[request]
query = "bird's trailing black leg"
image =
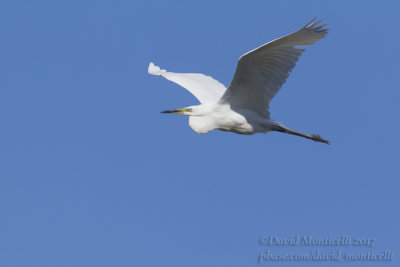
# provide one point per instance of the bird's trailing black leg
(314, 137)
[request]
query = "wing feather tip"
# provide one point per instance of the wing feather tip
(310, 23)
(155, 70)
(314, 25)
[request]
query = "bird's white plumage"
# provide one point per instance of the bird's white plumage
(203, 87)
(243, 107)
(261, 72)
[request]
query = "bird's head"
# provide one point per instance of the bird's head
(189, 111)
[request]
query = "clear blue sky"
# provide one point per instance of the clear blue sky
(91, 174)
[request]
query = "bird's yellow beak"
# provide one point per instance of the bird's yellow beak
(176, 111)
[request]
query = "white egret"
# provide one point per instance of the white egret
(243, 107)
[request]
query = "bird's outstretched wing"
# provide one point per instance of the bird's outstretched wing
(204, 88)
(261, 72)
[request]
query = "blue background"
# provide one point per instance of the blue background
(93, 175)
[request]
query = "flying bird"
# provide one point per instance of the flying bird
(243, 107)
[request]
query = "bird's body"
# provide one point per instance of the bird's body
(243, 107)
(223, 118)
(213, 116)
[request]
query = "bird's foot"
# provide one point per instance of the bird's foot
(317, 138)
